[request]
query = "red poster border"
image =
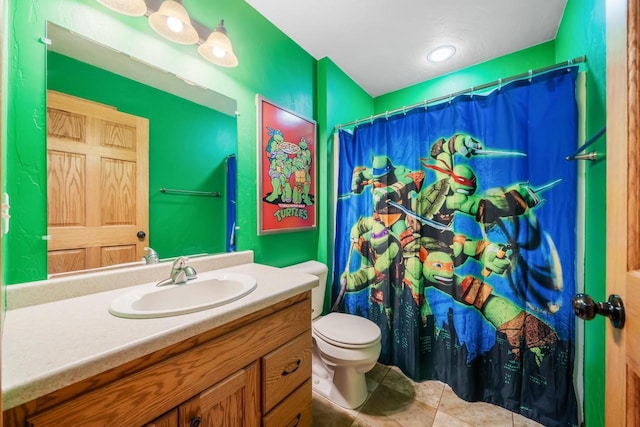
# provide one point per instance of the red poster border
(286, 161)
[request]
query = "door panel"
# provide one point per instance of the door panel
(67, 260)
(118, 183)
(66, 188)
(623, 204)
(117, 254)
(97, 184)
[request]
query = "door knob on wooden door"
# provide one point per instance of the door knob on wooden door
(586, 308)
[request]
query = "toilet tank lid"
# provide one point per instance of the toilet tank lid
(312, 267)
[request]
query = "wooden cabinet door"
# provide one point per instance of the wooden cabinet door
(233, 402)
(97, 184)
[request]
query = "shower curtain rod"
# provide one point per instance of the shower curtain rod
(472, 89)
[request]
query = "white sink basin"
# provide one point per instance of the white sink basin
(210, 289)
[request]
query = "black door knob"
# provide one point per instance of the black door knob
(586, 308)
(141, 235)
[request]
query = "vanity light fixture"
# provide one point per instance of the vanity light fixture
(126, 7)
(170, 19)
(441, 53)
(172, 22)
(217, 49)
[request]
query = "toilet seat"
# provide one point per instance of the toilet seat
(347, 330)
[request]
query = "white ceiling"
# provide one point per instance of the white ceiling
(382, 44)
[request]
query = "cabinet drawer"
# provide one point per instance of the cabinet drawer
(294, 411)
(284, 369)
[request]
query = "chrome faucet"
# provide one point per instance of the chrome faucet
(180, 273)
(151, 257)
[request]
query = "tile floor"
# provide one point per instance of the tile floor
(395, 400)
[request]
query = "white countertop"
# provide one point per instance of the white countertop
(54, 344)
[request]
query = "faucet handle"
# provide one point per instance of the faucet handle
(180, 263)
(190, 272)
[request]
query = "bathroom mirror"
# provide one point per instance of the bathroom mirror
(192, 138)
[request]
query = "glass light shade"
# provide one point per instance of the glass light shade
(172, 22)
(126, 7)
(217, 49)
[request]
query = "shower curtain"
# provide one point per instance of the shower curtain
(456, 235)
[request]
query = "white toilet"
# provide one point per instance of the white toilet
(345, 347)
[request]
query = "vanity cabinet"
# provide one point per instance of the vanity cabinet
(249, 372)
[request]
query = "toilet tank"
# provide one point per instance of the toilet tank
(320, 270)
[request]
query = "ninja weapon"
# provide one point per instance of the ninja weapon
(353, 193)
(343, 286)
(533, 192)
(421, 219)
(345, 196)
(546, 186)
(498, 153)
(502, 252)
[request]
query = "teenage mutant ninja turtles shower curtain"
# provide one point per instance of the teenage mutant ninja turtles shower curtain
(456, 235)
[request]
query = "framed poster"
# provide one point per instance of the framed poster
(286, 170)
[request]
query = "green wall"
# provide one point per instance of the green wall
(188, 146)
(486, 72)
(273, 66)
(270, 65)
(583, 32)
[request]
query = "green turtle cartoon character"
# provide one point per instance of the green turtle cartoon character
(280, 171)
(455, 187)
(380, 256)
(301, 164)
(389, 183)
(431, 263)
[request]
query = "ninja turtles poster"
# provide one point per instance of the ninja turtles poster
(286, 170)
(456, 235)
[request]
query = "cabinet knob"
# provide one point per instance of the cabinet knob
(586, 308)
(195, 422)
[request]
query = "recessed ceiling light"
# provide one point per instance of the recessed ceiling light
(441, 53)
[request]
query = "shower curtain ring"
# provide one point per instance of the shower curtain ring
(371, 119)
(499, 84)
(569, 63)
(471, 94)
(425, 105)
(386, 115)
(404, 110)
(530, 75)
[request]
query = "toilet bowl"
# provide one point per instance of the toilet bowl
(344, 348)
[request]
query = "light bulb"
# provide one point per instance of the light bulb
(217, 48)
(219, 52)
(174, 24)
(441, 53)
